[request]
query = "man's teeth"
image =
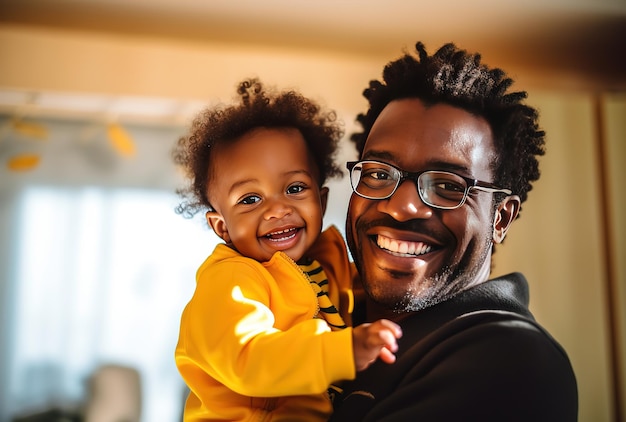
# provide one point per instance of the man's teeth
(402, 247)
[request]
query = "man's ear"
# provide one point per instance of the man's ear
(505, 215)
(217, 223)
(323, 199)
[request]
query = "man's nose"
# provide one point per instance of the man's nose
(405, 204)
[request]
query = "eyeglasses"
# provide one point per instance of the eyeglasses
(438, 189)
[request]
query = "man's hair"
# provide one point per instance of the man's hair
(257, 107)
(455, 77)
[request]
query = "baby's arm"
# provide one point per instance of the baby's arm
(375, 340)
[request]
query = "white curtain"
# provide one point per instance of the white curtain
(93, 272)
(101, 277)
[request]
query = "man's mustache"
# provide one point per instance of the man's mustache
(417, 226)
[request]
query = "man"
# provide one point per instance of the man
(446, 158)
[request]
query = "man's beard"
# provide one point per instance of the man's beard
(449, 281)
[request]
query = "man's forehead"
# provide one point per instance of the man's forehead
(414, 136)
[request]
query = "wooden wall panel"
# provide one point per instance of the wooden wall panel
(613, 119)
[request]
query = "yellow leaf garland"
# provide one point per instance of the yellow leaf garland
(23, 162)
(121, 140)
(29, 129)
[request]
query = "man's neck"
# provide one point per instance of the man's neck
(374, 311)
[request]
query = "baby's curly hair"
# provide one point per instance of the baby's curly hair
(457, 78)
(258, 107)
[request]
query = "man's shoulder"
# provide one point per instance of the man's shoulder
(492, 364)
(508, 337)
(497, 354)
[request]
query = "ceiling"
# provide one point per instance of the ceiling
(586, 34)
(587, 37)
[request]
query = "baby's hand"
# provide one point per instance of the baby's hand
(375, 340)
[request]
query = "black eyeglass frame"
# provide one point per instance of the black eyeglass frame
(414, 176)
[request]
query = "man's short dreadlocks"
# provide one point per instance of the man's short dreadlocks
(457, 78)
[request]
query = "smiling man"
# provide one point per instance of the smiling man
(446, 158)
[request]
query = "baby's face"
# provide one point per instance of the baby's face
(264, 190)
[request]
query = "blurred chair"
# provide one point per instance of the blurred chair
(114, 395)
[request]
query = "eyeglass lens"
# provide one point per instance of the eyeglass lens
(376, 180)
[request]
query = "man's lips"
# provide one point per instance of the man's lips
(402, 247)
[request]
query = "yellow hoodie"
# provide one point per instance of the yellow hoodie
(250, 348)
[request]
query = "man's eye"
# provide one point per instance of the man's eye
(378, 175)
(250, 199)
(449, 190)
(374, 178)
(449, 187)
(295, 189)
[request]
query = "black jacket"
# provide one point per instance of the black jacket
(479, 356)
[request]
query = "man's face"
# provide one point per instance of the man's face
(410, 255)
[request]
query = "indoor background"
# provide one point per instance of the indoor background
(95, 266)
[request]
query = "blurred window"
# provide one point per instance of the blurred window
(101, 277)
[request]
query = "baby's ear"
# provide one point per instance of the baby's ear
(323, 199)
(217, 223)
(505, 215)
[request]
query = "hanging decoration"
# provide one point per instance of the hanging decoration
(23, 162)
(30, 160)
(121, 141)
(30, 129)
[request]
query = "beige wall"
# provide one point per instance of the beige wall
(558, 243)
(57, 60)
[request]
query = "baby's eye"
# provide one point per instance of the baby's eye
(295, 188)
(249, 200)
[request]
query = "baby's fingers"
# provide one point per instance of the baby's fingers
(389, 339)
(386, 355)
(395, 328)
